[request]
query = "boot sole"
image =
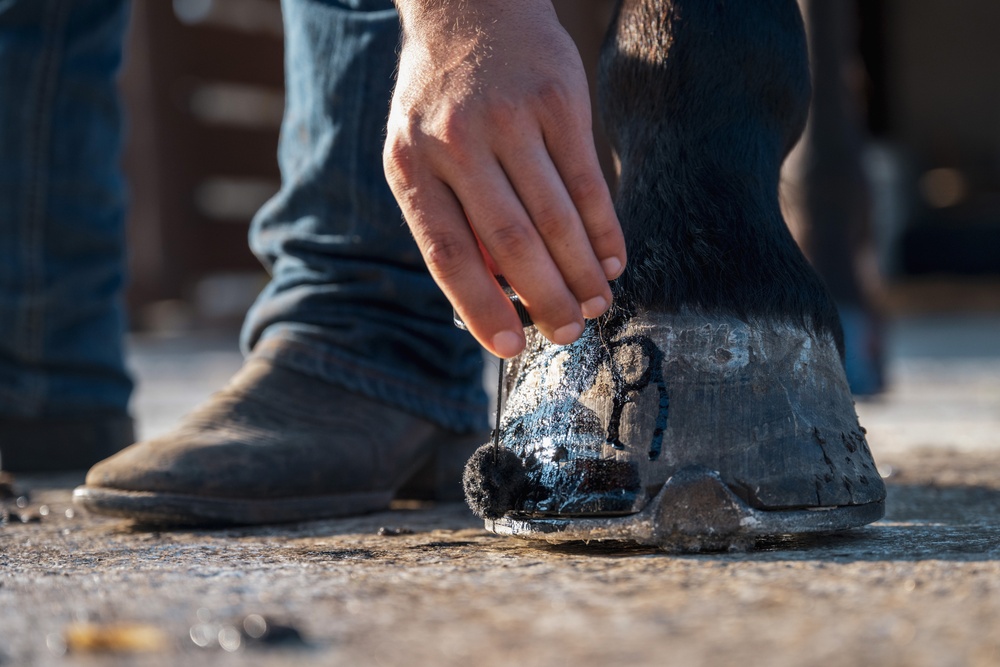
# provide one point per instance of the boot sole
(694, 511)
(151, 508)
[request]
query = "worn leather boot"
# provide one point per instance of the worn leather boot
(278, 446)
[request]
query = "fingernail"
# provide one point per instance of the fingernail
(594, 307)
(567, 334)
(612, 267)
(506, 344)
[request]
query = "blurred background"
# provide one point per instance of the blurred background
(919, 83)
(203, 86)
(203, 89)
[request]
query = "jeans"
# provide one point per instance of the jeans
(61, 210)
(350, 300)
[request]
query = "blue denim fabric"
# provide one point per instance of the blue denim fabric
(61, 209)
(350, 300)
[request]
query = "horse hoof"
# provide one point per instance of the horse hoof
(610, 428)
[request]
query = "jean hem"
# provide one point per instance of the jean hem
(426, 401)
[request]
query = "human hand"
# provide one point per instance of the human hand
(490, 155)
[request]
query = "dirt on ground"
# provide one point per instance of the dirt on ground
(426, 585)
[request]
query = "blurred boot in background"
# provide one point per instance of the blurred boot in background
(825, 191)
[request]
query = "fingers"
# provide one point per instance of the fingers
(454, 260)
(511, 239)
(529, 224)
(554, 216)
(574, 156)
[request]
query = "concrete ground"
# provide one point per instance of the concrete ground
(427, 586)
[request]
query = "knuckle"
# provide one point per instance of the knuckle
(445, 255)
(453, 148)
(586, 283)
(567, 115)
(585, 188)
(552, 222)
(503, 115)
(510, 241)
(399, 162)
(608, 237)
(554, 96)
(404, 151)
(560, 313)
(419, 142)
(453, 130)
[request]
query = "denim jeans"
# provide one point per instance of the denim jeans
(61, 210)
(350, 300)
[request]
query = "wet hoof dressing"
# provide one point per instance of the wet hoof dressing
(609, 429)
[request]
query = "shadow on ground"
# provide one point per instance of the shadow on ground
(924, 521)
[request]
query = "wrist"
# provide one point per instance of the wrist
(429, 14)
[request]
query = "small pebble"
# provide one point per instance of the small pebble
(55, 643)
(204, 635)
(230, 639)
(114, 638)
(255, 626)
